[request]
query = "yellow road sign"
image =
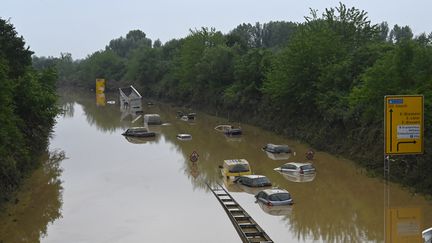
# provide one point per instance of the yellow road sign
(403, 225)
(403, 124)
(100, 86)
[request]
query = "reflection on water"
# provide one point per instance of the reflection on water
(341, 204)
(230, 185)
(296, 177)
(141, 140)
(252, 190)
(100, 99)
(276, 210)
(278, 156)
(403, 224)
(37, 205)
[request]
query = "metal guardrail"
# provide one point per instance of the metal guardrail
(247, 228)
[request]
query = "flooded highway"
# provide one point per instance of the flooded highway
(98, 186)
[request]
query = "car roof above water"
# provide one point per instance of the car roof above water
(138, 129)
(254, 176)
(298, 164)
(274, 191)
(230, 162)
(184, 135)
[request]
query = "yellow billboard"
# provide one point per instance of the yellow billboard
(100, 85)
(403, 124)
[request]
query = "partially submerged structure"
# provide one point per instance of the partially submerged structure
(130, 102)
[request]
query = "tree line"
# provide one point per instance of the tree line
(27, 110)
(322, 80)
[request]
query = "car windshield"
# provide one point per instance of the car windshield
(137, 129)
(239, 168)
(280, 197)
(308, 167)
(282, 149)
(289, 167)
(261, 181)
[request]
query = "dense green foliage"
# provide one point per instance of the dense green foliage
(322, 81)
(27, 110)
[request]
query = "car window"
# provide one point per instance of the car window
(280, 197)
(260, 181)
(289, 167)
(262, 195)
(307, 167)
(239, 168)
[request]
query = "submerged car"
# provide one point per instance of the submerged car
(235, 167)
(233, 132)
(277, 149)
(253, 180)
(191, 116)
(274, 197)
(138, 132)
(152, 119)
(184, 137)
(427, 235)
(223, 127)
(297, 168)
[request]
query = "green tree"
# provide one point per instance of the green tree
(123, 47)
(190, 54)
(102, 64)
(27, 110)
(398, 33)
(13, 51)
(277, 34)
(249, 71)
(314, 74)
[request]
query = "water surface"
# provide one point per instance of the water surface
(110, 189)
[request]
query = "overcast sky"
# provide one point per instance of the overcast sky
(82, 27)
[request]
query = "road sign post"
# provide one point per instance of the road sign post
(403, 124)
(403, 135)
(194, 157)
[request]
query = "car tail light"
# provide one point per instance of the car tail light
(269, 203)
(301, 171)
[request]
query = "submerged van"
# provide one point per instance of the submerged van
(235, 167)
(152, 119)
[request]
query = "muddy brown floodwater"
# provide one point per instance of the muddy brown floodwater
(110, 189)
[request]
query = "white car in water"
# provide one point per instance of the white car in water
(297, 168)
(184, 137)
(297, 172)
(427, 235)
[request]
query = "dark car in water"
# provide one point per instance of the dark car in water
(138, 132)
(253, 181)
(233, 132)
(277, 149)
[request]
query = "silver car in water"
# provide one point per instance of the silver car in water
(297, 168)
(297, 172)
(274, 197)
